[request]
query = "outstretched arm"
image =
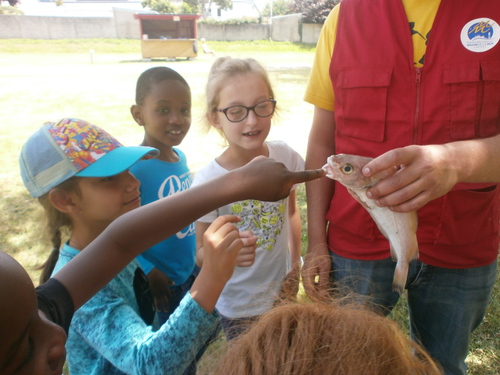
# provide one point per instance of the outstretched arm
(428, 172)
(136, 231)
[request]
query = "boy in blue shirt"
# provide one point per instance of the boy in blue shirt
(163, 108)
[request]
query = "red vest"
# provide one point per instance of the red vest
(383, 102)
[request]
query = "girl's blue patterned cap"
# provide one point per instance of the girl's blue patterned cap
(73, 147)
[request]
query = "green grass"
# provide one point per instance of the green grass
(110, 46)
(44, 80)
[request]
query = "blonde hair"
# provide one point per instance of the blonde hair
(223, 69)
(324, 338)
(57, 224)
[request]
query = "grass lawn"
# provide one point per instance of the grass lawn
(48, 80)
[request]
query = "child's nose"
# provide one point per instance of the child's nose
(132, 181)
(174, 117)
(252, 118)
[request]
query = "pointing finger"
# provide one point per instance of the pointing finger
(307, 175)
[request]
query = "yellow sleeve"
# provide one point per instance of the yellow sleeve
(319, 91)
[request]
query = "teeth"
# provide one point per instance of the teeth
(176, 132)
(252, 133)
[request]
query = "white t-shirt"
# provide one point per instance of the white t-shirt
(252, 290)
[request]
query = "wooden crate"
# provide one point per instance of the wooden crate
(169, 48)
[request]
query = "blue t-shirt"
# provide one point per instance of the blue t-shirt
(176, 255)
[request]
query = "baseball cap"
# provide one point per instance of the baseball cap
(73, 147)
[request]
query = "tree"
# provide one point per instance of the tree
(280, 7)
(160, 6)
(194, 5)
(313, 11)
(205, 5)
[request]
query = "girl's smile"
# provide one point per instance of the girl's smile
(252, 134)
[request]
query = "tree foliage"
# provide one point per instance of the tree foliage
(187, 6)
(194, 5)
(313, 11)
(160, 6)
(280, 8)
(205, 5)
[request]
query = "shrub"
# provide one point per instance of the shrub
(313, 11)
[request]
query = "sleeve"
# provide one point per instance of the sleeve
(117, 332)
(319, 91)
(146, 265)
(56, 303)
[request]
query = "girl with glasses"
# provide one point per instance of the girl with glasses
(240, 105)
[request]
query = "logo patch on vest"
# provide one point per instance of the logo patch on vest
(480, 35)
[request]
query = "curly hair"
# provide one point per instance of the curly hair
(298, 338)
(152, 76)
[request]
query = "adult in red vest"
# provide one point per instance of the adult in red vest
(415, 85)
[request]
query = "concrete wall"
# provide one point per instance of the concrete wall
(310, 32)
(249, 31)
(282, 29)
(127, 27)
(123, 25)
(286, 28)
(46, 27)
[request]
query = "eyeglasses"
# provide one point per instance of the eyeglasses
(237, 113)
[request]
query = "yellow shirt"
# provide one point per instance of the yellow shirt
(319, 91)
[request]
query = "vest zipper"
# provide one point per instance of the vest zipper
(418, 77)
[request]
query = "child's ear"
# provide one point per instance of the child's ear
(136, 112)
(213, 118)
(62, 200)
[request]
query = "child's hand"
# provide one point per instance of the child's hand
(267, 180)
(246, 256)
(159, 283)
(221, 244)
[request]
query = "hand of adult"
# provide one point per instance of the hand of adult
(316, 272)
(425, 173)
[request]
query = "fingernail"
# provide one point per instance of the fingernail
(369, 194)
(366, 171)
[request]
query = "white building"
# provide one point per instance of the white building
(241, 8)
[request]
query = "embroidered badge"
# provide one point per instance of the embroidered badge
(480, 35)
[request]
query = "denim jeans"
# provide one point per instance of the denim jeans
(445, 305)
(177, 293)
